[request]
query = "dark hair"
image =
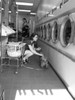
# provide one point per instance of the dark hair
(32, 36)
(24, 18)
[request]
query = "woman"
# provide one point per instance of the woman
(31, 48)
(25, 28)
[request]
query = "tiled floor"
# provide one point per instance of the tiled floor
(32, 82)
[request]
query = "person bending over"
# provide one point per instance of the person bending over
(31, 48)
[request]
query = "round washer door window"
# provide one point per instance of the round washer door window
(54, 35)
(66, 34)
(49, 32)
(41, 31)
(44, 32)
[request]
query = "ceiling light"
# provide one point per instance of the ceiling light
(33, 13)
(58, 7)
(51, 15)
(24, 3)
(24, 10)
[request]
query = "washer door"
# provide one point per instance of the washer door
(49, 32)
(44, 32)
(54, 32)
(41, 32)
(66, 32)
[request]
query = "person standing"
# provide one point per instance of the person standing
(25, 28)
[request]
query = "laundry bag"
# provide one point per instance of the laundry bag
(14, 49)
(43, 62)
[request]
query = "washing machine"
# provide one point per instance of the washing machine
(67, 31)
(49, 31)
(55, 31)
(45, 32)
(41, 32)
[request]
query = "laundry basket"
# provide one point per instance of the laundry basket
(14, 52)
(14, 49)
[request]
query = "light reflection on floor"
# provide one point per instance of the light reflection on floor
(54, 94)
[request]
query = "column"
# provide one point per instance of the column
(13, 13)
(6, 12)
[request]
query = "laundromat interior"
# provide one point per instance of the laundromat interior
(54, 23)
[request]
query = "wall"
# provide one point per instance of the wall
(64, 66)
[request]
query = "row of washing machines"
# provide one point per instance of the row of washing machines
(60, 29)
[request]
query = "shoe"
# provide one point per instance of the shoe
(25, 61)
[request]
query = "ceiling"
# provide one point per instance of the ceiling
(32, 8)
(47, 5)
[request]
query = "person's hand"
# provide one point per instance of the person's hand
(42, 55)
(38, 49)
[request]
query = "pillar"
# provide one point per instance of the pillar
(13, 13)
(6, 12)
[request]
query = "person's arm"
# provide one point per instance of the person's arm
(38, 49)
(36, 46)
(34, 51)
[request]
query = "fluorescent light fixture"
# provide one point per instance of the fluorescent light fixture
(24, 10)
(51, 15)
(58, 7)
(53, 7)
(24, 3)
(33, 13)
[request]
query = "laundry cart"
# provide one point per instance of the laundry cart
(14, 53)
